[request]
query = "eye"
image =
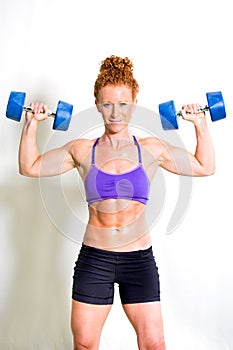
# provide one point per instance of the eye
(123, 104)
(107, 105)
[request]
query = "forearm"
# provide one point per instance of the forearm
(204, 152)
(28, 150)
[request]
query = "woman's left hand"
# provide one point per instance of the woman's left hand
(192, 113)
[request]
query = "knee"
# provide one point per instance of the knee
(158, 344)
(84, 339)
(154, 342)
(84, 344)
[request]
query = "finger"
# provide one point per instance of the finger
(34, 107)
(38, 107)
(194, 108)
(184, 110)
(45, 109)
(191, 108)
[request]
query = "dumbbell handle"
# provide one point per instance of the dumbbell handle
(201, 109)
(29, 109)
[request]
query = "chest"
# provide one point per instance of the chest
(119, 160)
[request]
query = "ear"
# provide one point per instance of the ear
(98, 106)
(135, 104)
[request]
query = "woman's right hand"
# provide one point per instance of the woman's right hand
(40, 112)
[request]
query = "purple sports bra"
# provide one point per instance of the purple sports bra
(132, 185)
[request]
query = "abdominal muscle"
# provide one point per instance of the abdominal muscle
(117, 225)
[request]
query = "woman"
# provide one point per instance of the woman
(117, 169)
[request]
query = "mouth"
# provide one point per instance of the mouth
(115, 121)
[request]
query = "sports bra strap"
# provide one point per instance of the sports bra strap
(135, 141)
(93, 151)
(139, 150)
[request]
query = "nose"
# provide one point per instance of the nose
(115, 110)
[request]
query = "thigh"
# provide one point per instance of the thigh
(87, 322)
(146, 319)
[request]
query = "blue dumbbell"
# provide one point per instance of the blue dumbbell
(216, 107)
(15, 108)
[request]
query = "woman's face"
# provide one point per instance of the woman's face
(116, 105)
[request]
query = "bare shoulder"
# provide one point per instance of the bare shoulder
(80, 149)
(153, 144)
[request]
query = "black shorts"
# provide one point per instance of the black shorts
(96, 271)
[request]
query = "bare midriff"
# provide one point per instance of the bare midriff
(117, 225)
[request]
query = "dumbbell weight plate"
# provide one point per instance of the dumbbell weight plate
(216, 105)
(63, 116)
(15, 105)
(168, 115)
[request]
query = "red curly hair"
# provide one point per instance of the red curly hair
(115, 70)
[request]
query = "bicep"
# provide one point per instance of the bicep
(179, 161)
(54, 162)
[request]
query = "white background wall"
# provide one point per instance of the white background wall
(52, 49)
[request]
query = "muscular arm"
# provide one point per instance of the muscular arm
(180, 161)
(31, 162)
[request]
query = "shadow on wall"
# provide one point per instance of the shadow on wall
(36, 310)
(36, 273)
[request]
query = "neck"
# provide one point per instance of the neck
(121, 135)
(116, 139)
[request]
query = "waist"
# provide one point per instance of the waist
(115, 213)
(108, 253)
(115, 234)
